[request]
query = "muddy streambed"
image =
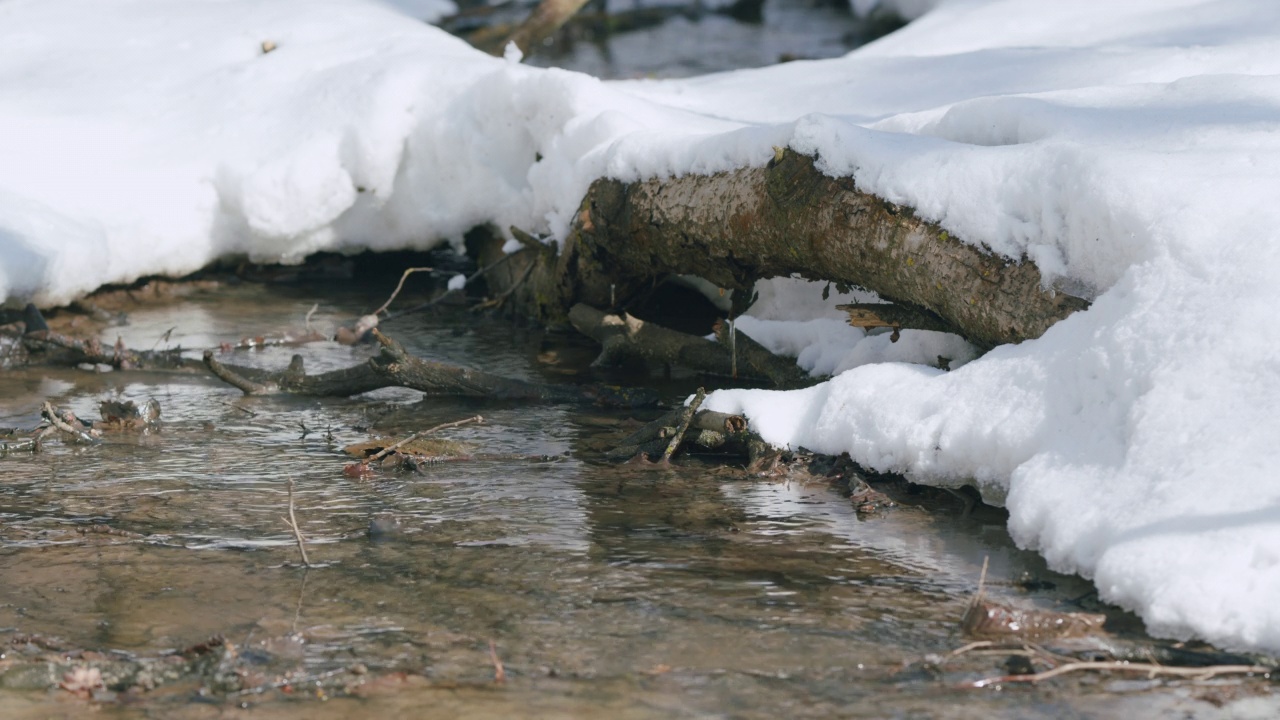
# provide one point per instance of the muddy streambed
(606, 591)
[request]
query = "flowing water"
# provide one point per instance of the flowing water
(607, 591)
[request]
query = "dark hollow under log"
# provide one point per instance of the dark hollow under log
(774, 221)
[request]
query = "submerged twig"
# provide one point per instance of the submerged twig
(292, 522)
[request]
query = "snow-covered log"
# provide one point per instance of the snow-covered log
(786, 218)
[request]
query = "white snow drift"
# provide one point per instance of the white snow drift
(1129, 149)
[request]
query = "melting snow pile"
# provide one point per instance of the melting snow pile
(1130, 149)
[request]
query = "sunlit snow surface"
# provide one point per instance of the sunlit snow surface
(1129, 149)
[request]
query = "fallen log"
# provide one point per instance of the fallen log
(395, 367)
(785, 218)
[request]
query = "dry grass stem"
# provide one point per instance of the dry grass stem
(292, 522)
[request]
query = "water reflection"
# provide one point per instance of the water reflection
(610, 591)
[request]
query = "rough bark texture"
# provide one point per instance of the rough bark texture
(785, 218)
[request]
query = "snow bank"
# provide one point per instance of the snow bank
(1130, 149)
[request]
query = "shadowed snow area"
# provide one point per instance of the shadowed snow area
(1129, 149)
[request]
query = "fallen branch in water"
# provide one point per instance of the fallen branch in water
(20, 445)
(395, 367)
(92, 351)
(292, 522)
(67, 423)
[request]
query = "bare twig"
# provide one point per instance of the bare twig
(499, 672)
(400, 286)
(685, 418)
(1152, 670)
(470, 279)
(292, 522)
(978, 645)
(391, 448)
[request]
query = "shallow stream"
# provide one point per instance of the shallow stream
(607, 591)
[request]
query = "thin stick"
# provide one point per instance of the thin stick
(246, 411)
(400, 285)
(390, 448)
(499, 672)
(292, 522)
(470, 279)
(685, 418)
(971, 646)
(1198, 673)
